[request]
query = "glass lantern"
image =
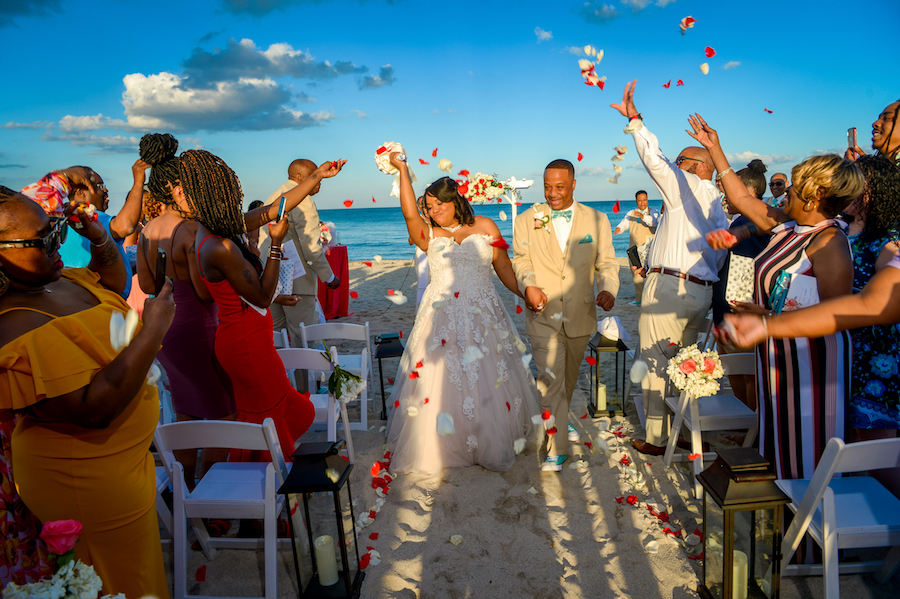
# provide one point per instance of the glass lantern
(322, 524)
(742, 518)
(600, 401)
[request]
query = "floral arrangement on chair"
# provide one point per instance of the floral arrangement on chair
(345, 386)
(71, 578)
(696, 372)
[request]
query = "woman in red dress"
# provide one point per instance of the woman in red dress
(243, 290)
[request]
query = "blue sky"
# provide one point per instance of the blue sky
(495, 86)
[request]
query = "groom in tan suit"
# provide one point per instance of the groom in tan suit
(561, 247)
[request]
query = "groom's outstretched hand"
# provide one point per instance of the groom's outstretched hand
(535, 299)
(606, 300)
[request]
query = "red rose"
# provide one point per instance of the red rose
(61, 535)
(709, 365)
(688, 366)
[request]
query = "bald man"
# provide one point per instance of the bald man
(681, 267)
(303, 230)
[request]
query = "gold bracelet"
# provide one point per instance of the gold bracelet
(723, 173)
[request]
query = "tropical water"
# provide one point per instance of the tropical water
(368, 232)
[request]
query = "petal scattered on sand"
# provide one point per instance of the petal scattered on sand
(533, 491)
(377, 258)
(519, 445)
(397, 298)
(456, 539)
(651, 547)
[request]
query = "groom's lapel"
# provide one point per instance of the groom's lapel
(550, 244)
(576, 233)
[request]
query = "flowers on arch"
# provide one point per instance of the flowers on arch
(345, 386)
(324, 233)
(696, 372)
(482, 188)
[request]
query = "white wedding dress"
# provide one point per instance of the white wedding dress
(463, 357)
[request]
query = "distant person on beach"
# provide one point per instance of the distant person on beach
(463, 394)
(681, 267)
(303, 231)
(562, 248)
(641, 223)
(778, 187)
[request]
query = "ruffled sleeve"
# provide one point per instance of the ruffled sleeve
(63, 355)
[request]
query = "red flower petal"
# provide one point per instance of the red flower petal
(201, 574)
(387, 455)
(381, 150)
(709, 52)
(546, 415)
(364, 561)
(632, 499)
(426, 400)
(396, 403)
(375, 469)
(373, 198)
(348, 203)
(507, 406)
(464, 173)
(582, 417)
(591, 360)
(767, 110)
(422, 234)
(616, 207)
(624, 461)
(369, 548)
(699, 533)
(456, 294)
(580, 156)
(551, 431)
(423, 161)
(434, 153)
(390, 292)
(413, 375)
(419, 364)
(463, 189)
(666, 85)
(401, 334)
(373, 514)
(694, 456)
(689, 20)
(601, 84)
(443, 342)
(354, 294)
(700, 556)
(518, 309)
(679, 82)
(500, 243)
(620, 499)
(369, 264)
(589, 445)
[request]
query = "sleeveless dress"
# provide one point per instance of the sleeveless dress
(199, 386)
(804, 385)
(463, 357)
(104, 478)
(246, 351)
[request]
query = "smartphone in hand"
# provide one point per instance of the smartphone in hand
(160, 279)
(851, 138)
(281, 209)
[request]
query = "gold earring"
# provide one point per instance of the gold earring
(809, 206)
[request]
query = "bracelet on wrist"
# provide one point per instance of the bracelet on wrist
(102, 243)
(636, 116)
(723, 173)
(766, 325)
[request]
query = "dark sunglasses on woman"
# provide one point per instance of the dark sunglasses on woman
(59, 228)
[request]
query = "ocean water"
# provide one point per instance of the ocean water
(368, 232)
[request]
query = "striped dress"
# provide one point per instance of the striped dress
(804, 385)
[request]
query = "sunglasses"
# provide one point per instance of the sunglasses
(776, 184)
(681, 159)
(59, 228)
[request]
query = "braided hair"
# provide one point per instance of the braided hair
(158, 150)
(881, 198)
(214, 192)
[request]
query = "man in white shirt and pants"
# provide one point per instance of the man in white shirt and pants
(681, 266)
(641, 225)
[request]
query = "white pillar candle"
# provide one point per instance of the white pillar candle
(325, 561)
(601, 396)
(739, 588)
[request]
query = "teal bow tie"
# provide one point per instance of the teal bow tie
(566, 214)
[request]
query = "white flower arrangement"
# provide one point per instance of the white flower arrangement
(345, 386)
(73, 580)
(696, 372)
(482, 188)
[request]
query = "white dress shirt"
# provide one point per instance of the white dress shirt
(649, 218)
(561, 227)
(693, 209)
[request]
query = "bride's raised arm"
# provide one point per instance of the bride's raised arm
(415, 224)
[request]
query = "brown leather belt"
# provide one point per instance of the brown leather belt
(681, 275)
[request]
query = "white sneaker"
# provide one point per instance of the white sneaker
(553, 463)
(573, 434)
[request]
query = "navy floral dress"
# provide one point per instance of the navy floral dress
(875, 398)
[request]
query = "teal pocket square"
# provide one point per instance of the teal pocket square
(587, 239)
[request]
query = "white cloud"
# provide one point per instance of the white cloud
(359, 113)
(543, 36)
(71, 123)
(637, 165)
(105, 143)
(743, 158)
(732, 64)
(595, 12)
(34, 125)
(576, 50)
(385, 76)
(664, 3)
(588, 171)
(839, 151)
(636, 5)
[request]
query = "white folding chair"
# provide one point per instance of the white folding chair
(359, 364)
(327, 407)
(713, 413)
(281, 339)
(229, 490)
(845, 512)
(162, 510)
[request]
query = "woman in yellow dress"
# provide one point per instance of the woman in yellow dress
(80, 449)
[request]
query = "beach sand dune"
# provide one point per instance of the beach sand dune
(525, 533)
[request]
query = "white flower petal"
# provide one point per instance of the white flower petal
(584, 64)
(154, 374)
(117, 330)
(502, 215)
(445, 165)
(550, 422)
(438, 304)
(519, 445)
(533, 491)
(471, 354)
(638, 371)
(456, 539)
(651, 547)
(550, 372)
(704, 68)
(377, 258)
(412, 411)
(445, 426)
(398, 298)
(526, 360)
(537, 419)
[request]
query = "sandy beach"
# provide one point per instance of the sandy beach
(525, 533)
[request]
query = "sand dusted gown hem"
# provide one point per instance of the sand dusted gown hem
(463, 358)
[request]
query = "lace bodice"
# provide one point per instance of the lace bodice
(460, 266)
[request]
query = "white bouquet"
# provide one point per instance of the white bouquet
(696, 372)
(482, 188)
(345, 386)
(74, 579)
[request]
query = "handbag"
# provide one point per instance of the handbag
(285, 278)
(739, 287)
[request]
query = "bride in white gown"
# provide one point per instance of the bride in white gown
(464, 357)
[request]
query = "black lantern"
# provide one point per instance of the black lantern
(323, 535)
(601, 402)
(742, 516)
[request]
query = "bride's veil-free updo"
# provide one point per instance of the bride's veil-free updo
(445, 190)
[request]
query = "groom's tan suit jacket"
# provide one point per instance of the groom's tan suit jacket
(567, 278)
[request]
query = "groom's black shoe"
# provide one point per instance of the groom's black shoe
(647, 449)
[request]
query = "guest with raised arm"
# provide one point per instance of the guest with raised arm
(681, 266)
(798, 413)
(641, 223)
(86, 411)
(243, 289)
(463, 394)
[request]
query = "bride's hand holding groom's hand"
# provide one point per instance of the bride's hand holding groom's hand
(535, 299)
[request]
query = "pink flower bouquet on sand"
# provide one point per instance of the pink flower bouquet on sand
(696, 372)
